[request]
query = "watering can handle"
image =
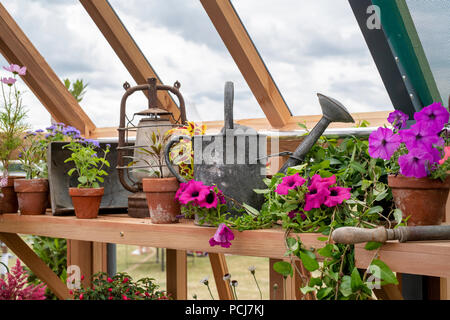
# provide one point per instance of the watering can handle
(169, 163)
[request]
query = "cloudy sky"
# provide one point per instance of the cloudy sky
(308, 46)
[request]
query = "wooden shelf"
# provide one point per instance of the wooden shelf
(425, 258)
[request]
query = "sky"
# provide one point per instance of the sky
(308, 46)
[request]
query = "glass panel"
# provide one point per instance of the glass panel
(181, 43)
(315, 46)
(430, 18)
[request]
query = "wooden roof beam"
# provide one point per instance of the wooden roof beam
(126, 49)
(239, 44)
(40, 78)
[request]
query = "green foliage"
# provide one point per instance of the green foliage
(33, 155)
(53, 252)
(78, 89)
(88, 165)
(120, 287)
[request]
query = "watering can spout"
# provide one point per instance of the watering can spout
(332, 111)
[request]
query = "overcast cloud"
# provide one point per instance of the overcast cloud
(309, 46)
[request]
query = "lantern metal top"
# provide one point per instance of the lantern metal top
(153, 112)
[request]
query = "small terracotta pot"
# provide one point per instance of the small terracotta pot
(10, 203)
(32, 195)
(160, 193)
(86, 201)
(423, 199)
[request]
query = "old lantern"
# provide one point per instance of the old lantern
(134, 163)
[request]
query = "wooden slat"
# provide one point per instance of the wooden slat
(79, 253)
(277, 283)
(99, 257)
(388, 292)
(126, 48)
(32, 261)
(40, 78)
(239, 44)
(176, 273)
(220, 268)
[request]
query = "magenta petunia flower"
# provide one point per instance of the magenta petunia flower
(9, 81)
(383, 143)
(446, 155)
(289, 183)
(435, 116)
(222, 237)
(415, 163)
(195, 192)
(316, 196)
(326, 182)
(210, 201)
(16, 69)
(294, 213)
(180, 190)
(397, 119)
(337, 196)
(420, 135)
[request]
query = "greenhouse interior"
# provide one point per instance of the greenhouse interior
(224, 150)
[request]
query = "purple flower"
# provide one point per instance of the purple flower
(337, 196)
(39, 130)
(383, 143)
(71, 131)
(415, 163)
(289, 183)
(294, 213)
(420, 135)
(95, 143)
(180, 190)
(195, 192)
(397, 119)
(222, 237)
(210, 201)
(435, 116)
(9, 81)
(316, 196)
(16, 69)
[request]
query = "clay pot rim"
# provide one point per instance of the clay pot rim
(400, 181)
(169, 184)
(86, 192)
(31, 185)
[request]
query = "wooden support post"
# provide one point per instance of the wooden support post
(79, 253)
(40, 78)
(219, 268)
(280, 289)
(32, 261)
(99, 257)
(176, 274)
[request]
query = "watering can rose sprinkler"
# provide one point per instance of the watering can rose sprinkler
(235, 159)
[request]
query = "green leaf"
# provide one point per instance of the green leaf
(326, 251)
(322, 238)
(324, 292)
(309, 260)
(356, 282)
(376, 209)
(398, 216)
(386, 274)
(250, 209)
(71, 171)
(315, 282)
(82, 179)
(284, 268)
(261, 191)
(292, 244)
(372, 245)
(307, 289)
(358, 167)
(346, 286)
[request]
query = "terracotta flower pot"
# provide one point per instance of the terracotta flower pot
(10, 203)
(423, 199)
(86, 201)
(32, 195)
(160, 193)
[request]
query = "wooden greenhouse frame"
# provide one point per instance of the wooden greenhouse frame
(88, 239)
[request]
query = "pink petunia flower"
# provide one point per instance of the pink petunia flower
(180, 190)
(316, 196)
(210, 201)
(289, 183)
(16, 69)
(397, 119)
(415, 163)
(420, 135)
(222, 237)
(434, 116)
(337, 196)
(446, 155)
(195, 192)
(325, 182)
(9, 81)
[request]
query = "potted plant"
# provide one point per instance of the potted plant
(87, 196)
(415, 160)
(12, 128)
(32, 192)
(159, 187)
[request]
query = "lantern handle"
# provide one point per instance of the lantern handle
(169, 163)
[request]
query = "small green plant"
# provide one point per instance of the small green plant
(88, 165)
(76, 88)
(120, 287)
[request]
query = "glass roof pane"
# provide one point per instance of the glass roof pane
(431, 21)
(315, 46)
(180, 42)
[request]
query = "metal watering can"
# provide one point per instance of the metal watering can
(235, 159)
